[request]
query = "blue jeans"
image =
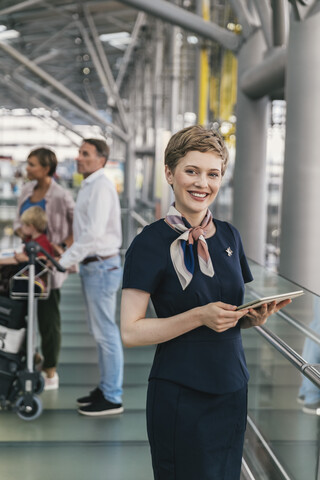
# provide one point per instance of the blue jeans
(100, 282)
(311, 353)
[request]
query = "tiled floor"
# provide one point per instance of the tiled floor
(61, 444)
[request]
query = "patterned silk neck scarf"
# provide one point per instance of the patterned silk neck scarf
(181, 249)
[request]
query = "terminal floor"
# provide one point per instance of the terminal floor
(61, 444)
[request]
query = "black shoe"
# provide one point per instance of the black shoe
(101, 407)
(313, 408)
(93, 396)
(300, 399)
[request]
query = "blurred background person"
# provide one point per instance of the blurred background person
(44, 191)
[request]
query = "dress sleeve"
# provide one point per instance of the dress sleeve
(145, 262)
(246, 272)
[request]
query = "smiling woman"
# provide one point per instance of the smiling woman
(193, 268)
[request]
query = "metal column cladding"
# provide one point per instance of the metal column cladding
(300, 225)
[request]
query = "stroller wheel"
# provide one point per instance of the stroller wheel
(26, 411)
(39, 385)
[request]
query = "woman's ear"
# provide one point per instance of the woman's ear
(168, 174)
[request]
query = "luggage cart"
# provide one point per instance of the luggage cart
(22, 382)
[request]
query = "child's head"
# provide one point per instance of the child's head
(34, 217)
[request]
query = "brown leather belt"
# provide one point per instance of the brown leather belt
(96, 258)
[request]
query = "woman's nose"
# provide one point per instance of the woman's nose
(201, 181)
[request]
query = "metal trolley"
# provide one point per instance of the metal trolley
(30, 283)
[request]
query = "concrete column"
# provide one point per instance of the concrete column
(300, 225)
(250, 189)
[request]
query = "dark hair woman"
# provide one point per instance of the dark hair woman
(44, 191)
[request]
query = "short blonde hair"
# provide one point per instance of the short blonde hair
(36, 217)
(196, 138)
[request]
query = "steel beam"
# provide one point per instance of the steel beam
(240, 9)
(187, 20)
(43, 58)
(264, 12)
(279, 21)
(267, 77)
(19, 6)
(140, 22)
(45, 92)
(62, 89)
(34, 101)
(94, 57)
(250, 177)
(106, 71)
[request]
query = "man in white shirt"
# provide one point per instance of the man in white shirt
(97, 240)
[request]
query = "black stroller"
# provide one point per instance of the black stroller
(20, 383)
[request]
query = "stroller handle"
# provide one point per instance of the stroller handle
(32, 248)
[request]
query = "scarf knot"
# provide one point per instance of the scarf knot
(181, 249)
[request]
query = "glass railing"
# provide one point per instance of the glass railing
(282, 440)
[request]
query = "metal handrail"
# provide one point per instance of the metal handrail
(291, 355)
(299, 326)
(139, 218)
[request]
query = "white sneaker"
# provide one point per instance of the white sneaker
(51, 383)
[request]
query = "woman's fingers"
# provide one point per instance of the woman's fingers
(222, 316)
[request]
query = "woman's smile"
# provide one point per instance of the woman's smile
(198, 195)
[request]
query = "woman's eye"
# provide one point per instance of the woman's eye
(190, 171)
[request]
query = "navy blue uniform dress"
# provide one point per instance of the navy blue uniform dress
(197, 394)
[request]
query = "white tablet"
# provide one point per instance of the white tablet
(278, 298)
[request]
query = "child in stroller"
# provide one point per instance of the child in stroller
(18, 381)
(33, 227)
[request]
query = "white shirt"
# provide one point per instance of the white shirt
(96, 222)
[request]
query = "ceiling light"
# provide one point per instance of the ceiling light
(118, 39)
(192, 39)
(7, 34)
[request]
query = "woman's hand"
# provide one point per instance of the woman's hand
(258, 316)
(221, 316)
(58, 250)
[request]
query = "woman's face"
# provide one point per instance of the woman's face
(196, 182)
(35, 171)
